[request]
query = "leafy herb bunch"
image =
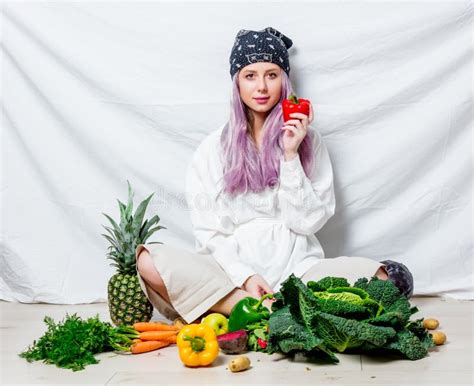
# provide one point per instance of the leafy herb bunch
(72, 343)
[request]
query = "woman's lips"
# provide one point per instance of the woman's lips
(262, 100)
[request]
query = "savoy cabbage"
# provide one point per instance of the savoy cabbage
(328, 316)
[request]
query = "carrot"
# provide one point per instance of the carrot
(136, 341)
(153, 326)
(150, 345)
(156, 335)
(170, 339)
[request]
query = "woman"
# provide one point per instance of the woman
(258, 190)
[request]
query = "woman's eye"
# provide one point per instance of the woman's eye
(275, 75)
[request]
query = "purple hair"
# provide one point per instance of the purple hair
(244, 168)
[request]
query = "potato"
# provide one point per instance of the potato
(430, 324)
(239, 364)
(438, 337)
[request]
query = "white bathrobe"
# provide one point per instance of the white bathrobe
(271, 233)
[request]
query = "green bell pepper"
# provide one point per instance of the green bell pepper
(248, 310)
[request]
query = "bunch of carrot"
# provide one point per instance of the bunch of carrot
(154, 335)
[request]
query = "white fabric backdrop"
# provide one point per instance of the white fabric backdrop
(94, 94)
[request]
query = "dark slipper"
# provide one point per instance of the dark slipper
(400, 275)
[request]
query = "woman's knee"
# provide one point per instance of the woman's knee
(147, 269)
(148, 272)
(143, 262)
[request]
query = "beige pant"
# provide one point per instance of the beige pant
(195, 282)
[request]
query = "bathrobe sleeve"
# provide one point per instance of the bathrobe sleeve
(306, 204)
(213, 230)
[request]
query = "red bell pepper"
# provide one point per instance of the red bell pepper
(295, 105)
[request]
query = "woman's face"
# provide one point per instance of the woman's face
(259, 80)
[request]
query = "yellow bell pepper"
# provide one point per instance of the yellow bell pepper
(197, 345)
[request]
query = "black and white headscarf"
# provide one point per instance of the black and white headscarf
(267, 45)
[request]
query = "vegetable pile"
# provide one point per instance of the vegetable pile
(329, 316)
(317, 319)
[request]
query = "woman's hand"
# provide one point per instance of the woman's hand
(257, 286)
(294, 132)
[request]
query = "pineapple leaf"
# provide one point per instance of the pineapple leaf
(114, 247)
(147, 225)
(155, 242)
(151, 231)
(144, 226)
(115, 225)
(115, 234)
(140, 213)
(111, 240)
(130, 260)
(111, 232)
(130, 200)
(123, 216)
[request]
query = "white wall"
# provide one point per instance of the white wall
(94, 94)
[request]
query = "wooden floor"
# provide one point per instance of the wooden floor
(451, 364)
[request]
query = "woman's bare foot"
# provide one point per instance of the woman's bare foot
(382, 273)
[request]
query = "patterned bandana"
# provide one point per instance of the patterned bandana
(267, 45)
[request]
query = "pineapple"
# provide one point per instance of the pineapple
(127, 302)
